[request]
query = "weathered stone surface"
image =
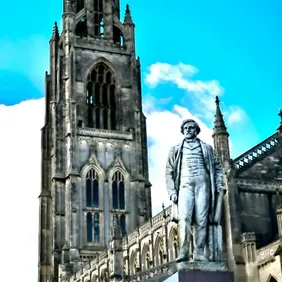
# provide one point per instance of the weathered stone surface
(202, 266)
(201, 276)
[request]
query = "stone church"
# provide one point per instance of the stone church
(95, 202)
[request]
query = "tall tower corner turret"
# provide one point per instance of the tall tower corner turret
(220, 135)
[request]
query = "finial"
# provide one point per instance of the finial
(127, 18)
(280, 114)
(55, 33)
(219, 124)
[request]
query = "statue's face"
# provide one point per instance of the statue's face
(190, 130)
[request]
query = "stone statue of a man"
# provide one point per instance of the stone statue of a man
(194, 183)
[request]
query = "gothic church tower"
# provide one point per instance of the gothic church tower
(94, 148)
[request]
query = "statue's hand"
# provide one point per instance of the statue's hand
(173, 198)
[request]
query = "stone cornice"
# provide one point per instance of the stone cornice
(102, 133)
(99, 44)
(258, 185)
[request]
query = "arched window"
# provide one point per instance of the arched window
(118, 36)
(118, 191)
(101, 98)
(81, 28)
(96, 228)
(123, 225)
(98, 18)
(173, 244)
(92, 189)
(89, 227)
(93, 227)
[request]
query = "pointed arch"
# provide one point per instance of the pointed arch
(145, 257)
(133, 267)
(93, 177)
(92, 189)
(118, 192)
(101, 97)
(173, 243)
(159, 251)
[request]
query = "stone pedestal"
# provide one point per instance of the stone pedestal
(200, 272)
(201, 276)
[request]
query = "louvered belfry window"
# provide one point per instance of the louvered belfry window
(101, 98)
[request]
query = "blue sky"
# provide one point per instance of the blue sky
(190, 51)
(236, 43)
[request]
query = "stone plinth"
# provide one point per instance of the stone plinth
(201, 276)
(197, 265)
(200, 272)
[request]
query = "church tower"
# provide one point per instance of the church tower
(94, 148)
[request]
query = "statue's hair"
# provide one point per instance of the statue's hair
(190, 120)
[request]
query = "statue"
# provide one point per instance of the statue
(194, 184)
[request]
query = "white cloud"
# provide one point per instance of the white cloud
(182, 76)
(20, 187)
(235, 114)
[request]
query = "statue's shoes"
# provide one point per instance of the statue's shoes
(199, 257)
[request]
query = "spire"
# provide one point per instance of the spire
(55, 33)
(219, 125)
(220, 136)
(279, 129)
(127, 17)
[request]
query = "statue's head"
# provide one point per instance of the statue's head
(187, 125)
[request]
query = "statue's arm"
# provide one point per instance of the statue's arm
(169, 173)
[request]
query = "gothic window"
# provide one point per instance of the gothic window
(118, 191)
(173, 244)
(89, 227)
(98, 18)
(93, 227)
(118, 36)
(159, 251)
(96, 228)
(81, 28)
(123, 225)
(92, 189)
(101, 98)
